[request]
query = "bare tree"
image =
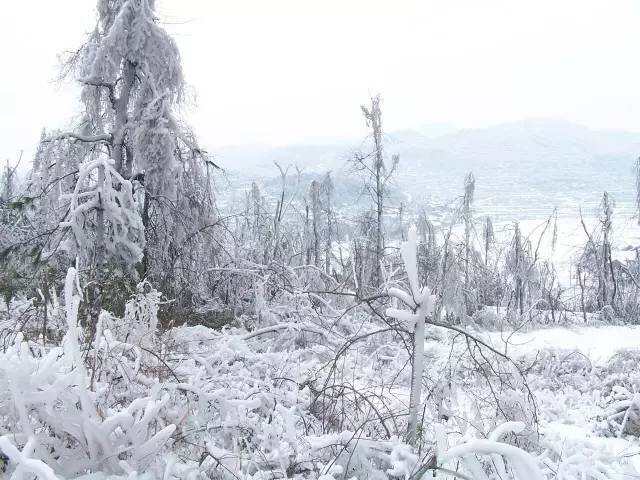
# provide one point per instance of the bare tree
(328, 191)
(608, 275)
(518, 268)
(637, 172)
(467, 216)
(377, 176)
(488, 237)
(596, 270)
(314, 196)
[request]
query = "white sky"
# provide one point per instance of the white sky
(288, 71)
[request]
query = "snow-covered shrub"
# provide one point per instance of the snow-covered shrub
(558, 368)
(33, 317)
(483, 459)
(623, 412)
(111, 195)
(58, 418)
(621, 371)
(515, 405)
(581, 457)
(488, 319)
(140, 321)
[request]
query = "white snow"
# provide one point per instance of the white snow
(599, 344)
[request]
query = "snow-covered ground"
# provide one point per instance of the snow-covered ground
(574, 389)
(598, 344)
(291, 398)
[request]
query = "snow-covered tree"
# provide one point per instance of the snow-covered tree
(102, 214)
(467, 217)
(7, 182)
(132, 141)
(596, 269)
(637, 179)
(377, 172)
(328, 189)
(418, 303)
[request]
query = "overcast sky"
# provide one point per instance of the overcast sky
(290, 71)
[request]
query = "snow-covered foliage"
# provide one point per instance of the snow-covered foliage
(127, 188)
(100, 187)
(303, 396)
(501, 459)
(288, 338)
(419, 302)
(58, 416)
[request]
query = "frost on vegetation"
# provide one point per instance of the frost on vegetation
(113, 195)
(487, 458)
(623, 412)
(323, 368)
(54, 425)
(222, 406)
(194, 403)
(419, 304)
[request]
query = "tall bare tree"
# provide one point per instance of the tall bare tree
(314, 197)
(378, 172)
(467, 216)
(328, 191)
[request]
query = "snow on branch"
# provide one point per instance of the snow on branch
(23, 460)
(507, 461)
(100, 186)
(106, 138)
(419, 304)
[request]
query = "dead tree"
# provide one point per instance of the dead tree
(518, 268)
(637, 169)
(488, 237)
(596, 264)
(328, 190)
(314, 197)
(608, 273)
(467, 216)
(377, 176)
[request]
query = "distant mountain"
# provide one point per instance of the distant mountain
(522, 169)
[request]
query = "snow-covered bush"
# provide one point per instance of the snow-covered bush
(483, 459)
(623, 412)
(558, 368)
(60, 419)
(100, 188)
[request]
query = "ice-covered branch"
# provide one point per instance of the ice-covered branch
(105, 138)
(420, 304)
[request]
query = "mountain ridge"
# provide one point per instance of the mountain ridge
(546, 163)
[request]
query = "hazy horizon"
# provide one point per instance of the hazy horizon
(294, 72)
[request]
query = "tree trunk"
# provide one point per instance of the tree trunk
(99, 262)
(328, 243)
(121, 107)
(379, 172)
(417, 370)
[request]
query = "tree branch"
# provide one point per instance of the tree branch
(106, 137)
